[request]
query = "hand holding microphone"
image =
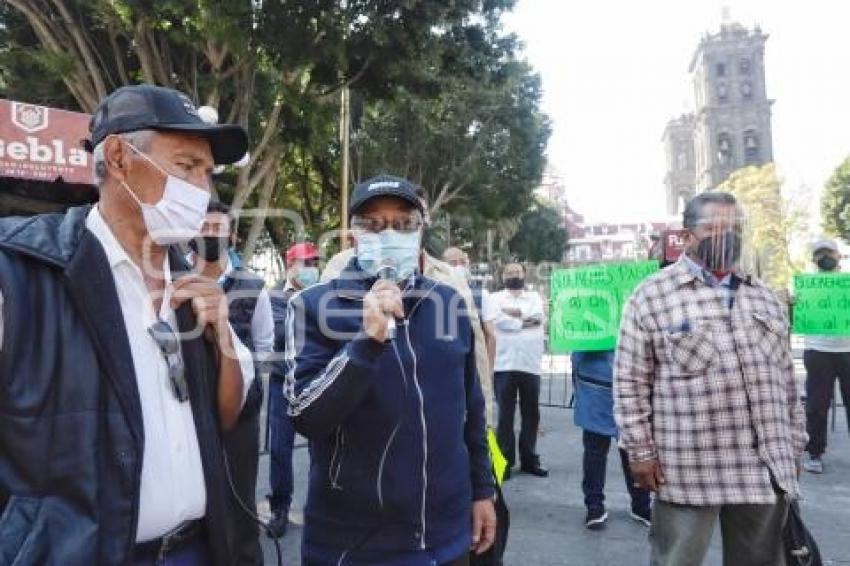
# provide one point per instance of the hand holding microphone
(382, 305)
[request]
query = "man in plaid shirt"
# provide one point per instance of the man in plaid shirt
(705, 398)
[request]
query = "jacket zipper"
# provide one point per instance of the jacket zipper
(339, 447)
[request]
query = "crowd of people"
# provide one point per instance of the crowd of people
(132, 342)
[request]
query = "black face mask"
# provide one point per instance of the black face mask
(720, 253)
(514, 283)
(827, 263)
(209, 247)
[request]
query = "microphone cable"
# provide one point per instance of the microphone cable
(247, 510)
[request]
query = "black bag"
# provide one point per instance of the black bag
(800, 546)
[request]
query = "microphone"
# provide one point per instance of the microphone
(389, 272)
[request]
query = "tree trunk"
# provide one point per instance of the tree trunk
(258, 222)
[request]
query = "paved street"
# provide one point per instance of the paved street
(547, 514)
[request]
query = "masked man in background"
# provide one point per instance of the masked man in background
(250, 315)
(302, 271)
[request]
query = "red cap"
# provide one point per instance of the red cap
(302, 251)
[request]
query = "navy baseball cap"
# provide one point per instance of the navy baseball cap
(384, 186)
(150, 107)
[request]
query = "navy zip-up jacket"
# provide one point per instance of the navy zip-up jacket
(399, 448)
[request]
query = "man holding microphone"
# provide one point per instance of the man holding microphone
(382, 379)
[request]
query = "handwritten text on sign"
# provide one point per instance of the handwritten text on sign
(587, 303)
(822, 304)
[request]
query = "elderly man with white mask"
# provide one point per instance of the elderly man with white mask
(118, 368)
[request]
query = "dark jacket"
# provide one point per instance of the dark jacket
(71, 436)
(279, 298)
(243, 288)
(399, 450)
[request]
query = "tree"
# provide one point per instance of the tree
(770, 222)
(835, 202)
(277, 69)
(541, 236)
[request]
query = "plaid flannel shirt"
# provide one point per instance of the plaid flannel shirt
(709, 390)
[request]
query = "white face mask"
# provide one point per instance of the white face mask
(461, 272)
(179, 214)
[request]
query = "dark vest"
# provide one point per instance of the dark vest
(243, 287)
(71, 434)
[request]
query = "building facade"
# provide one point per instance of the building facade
(731, 126)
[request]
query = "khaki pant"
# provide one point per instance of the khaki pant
(751, 534)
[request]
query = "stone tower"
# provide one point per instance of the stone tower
(678, 140)
(732, 122)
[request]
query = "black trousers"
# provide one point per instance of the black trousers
(822, 369)
(595, 462)
(242, 445)
(511, 385)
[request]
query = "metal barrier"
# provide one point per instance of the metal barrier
(556, 384)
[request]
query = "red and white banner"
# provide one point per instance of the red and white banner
(43, 144)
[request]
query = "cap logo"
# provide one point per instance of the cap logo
(190, 108)
(29, 117)
(384, 185)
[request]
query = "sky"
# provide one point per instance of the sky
(615, 71)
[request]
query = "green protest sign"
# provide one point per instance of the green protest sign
(587, 303)
(822, 304)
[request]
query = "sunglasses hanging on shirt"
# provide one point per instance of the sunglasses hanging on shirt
(168, 343)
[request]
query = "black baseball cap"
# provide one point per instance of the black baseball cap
(384, 186)
(150, 107)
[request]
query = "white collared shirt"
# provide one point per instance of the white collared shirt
(518, 348)
(173, 489)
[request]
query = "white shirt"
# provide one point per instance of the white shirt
(831, 344)
(172, 486)
(518, 348)
(489, 309)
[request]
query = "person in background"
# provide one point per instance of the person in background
(459, 261)
(250, 314)
(116, 361)
(488, 312)
(302, 271)
(705, 399)
(593, 375)
(826, 359)
(519, 354)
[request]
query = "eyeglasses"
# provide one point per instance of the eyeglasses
(167, 342)
(375, 225)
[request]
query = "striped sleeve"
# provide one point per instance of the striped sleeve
(325, 380)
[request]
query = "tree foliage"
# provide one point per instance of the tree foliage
(835, 203)
(770, 222)
(541, 236)
(440, 93)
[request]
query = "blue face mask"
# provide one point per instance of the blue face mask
(308, 276)
(398, 249)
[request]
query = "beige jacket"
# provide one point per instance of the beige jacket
(442, 272)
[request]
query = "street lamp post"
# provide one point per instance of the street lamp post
(344, 140)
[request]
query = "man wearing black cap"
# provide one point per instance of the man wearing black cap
(118, 369)
(382, 380)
